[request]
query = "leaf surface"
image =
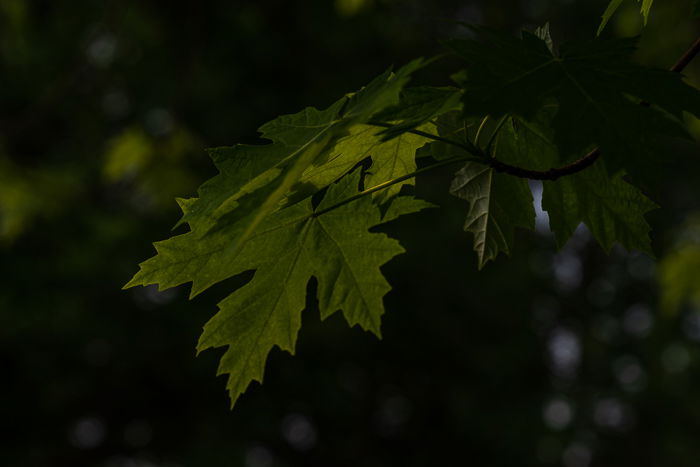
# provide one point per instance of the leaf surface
(498, 204)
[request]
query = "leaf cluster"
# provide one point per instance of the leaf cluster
(304, 205)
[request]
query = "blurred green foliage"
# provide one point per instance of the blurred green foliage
(551, 358)
(678, 271)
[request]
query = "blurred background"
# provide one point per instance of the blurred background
(545, 359)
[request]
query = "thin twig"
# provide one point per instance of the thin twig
(466, 146)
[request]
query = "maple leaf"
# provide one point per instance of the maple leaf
(228, 211)
(594, 85)
(612, 209)
(497, 204)
(331, 242)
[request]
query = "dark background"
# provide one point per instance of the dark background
(545, 359)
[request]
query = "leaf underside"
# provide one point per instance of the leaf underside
(497, 204)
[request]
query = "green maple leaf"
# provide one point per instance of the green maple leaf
(612, 209)
(255, 180)
(331, 242)
(498, 204)
(594, 85)
(228, 211)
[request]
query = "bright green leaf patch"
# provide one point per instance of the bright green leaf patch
(678, 270)
(390, 159)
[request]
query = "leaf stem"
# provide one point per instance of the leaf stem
(466, 146)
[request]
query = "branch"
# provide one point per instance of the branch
(549, 174)
(687, 57)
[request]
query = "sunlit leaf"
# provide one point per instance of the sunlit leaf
(333, 245)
